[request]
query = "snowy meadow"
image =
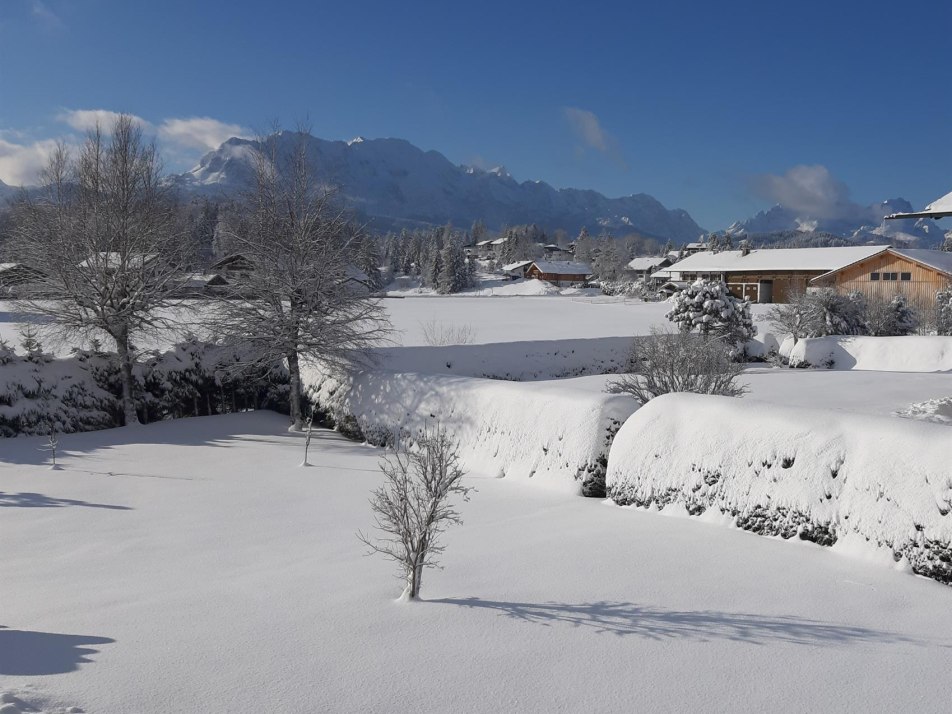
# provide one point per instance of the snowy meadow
(193, 565)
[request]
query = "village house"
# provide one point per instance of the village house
(561, 273)
(517, 269)
(233, 266)
(15, 278)
(766, 275)
(914, 273)
(642, 269)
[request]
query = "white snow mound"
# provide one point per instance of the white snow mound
(912, 353)
(792, 471)
(551, 433)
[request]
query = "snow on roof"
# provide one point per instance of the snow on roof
(488, 241)
(939, 208)
(516, 266)
(940, 260)
(8, 266)
(936, 259)
(647, 262)
(734, 261)
(563, 267)
(113, 259)
(499, 241)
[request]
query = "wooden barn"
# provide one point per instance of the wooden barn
(767, 275)
(561, 273)
(917, 274)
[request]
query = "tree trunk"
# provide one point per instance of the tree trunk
(126, 379)
(294, 398)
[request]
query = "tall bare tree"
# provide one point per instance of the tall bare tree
(106, 237)
(302, 298)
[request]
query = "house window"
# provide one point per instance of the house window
(905, 276)
(874, 276)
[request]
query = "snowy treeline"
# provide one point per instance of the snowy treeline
(82, 392)
(820, 475)
(435, 256)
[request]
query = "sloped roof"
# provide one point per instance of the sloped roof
(940, 260)
(516, 266)
(936, 259)
(647, 262)
(734, 261)
(939, 208)
(563, 267)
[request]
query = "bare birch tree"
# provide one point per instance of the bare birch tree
(412, 508)
(107, 240)
(303, 298)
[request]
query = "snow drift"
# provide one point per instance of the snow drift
(911, 353)
(786, 471)
(550, 433)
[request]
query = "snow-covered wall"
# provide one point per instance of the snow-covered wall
(788, 471)
(912, 353)
(553, 434)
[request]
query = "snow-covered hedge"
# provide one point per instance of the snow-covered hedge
(817, 474)
(553, 434)
(910, 353)
(81, 393)
(38, 393)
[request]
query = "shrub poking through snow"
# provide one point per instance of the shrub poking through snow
(706, 306)
(943, 311)
(663, 362)
(412, 508)
(891, 319)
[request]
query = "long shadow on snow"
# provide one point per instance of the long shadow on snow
(222, 431)
(24, 653)
(38, 500)
(624, 618)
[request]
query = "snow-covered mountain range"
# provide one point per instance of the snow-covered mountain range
(394, 183)
(860, 224)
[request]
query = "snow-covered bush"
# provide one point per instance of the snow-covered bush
(83, 392)
(893, 318)
(833, 313)
(662, 363)
(943, 311)
(551, 433)
(820, 475)
(707, 306)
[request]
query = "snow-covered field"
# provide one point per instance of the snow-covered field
(191, 566)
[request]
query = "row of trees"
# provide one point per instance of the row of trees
(110, 242)
(827, 312)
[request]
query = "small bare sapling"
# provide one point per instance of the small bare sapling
(308, 431)
(412, 508)
(51, 443)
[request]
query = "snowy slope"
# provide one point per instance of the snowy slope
(191, 567)
(397, 183)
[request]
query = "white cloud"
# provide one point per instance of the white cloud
(202, 133)
(21, 163)
(808, 190)
(45, 16)
(589, 130)
(87, 119)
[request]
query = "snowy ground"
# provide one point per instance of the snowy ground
(190, 566)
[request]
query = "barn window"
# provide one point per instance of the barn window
(890, 276)
(874, 276)
(905, 276)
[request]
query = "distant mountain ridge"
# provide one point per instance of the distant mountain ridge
(396, 184)
(856, 224)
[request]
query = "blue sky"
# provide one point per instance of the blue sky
(710, 107)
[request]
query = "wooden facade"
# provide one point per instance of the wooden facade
(762, 287)
(883, 276)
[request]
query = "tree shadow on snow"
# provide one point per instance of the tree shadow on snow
(26, 653)
(38, 500)
(654, 623)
